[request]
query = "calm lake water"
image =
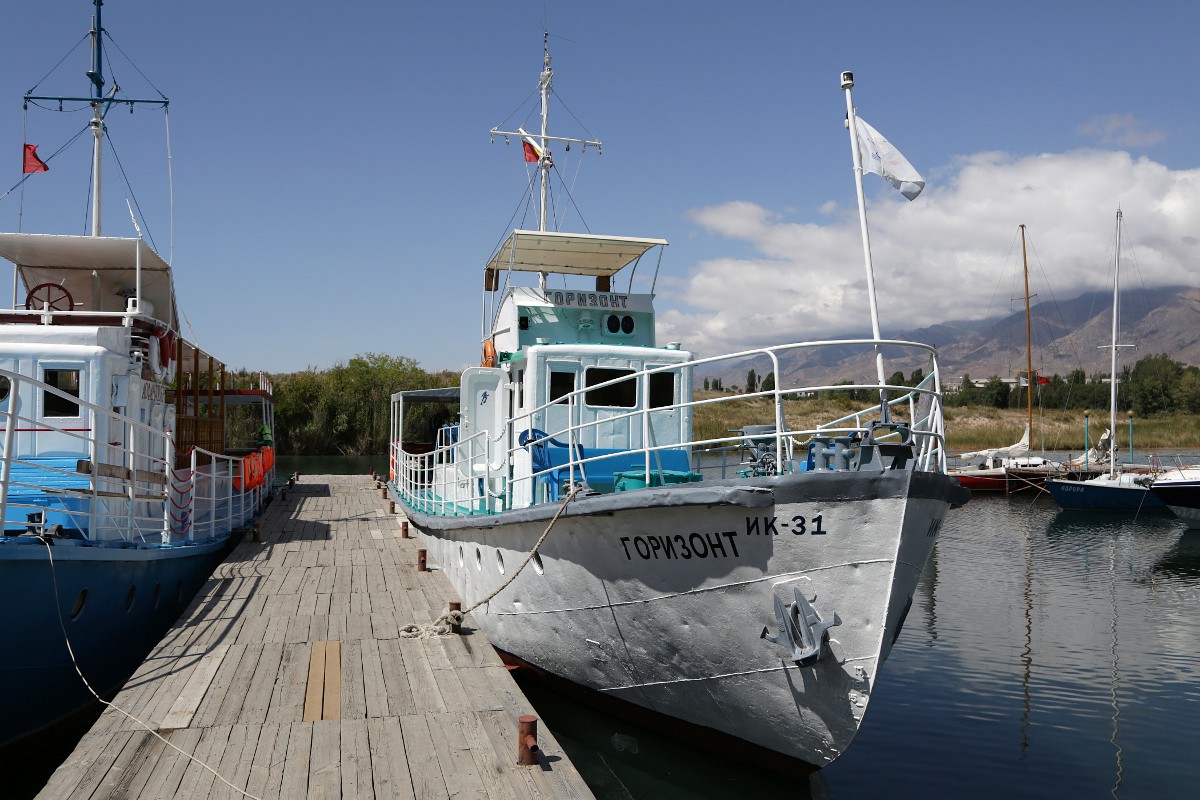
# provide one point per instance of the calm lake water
(1048, 654)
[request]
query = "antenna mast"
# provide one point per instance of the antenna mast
(100, 105)
(545, 162)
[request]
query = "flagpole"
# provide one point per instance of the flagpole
(852, 124)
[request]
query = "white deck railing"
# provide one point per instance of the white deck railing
(116, 481)
(490, 472)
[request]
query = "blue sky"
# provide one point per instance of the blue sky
(335, 192)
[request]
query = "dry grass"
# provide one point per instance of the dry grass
(968, 428)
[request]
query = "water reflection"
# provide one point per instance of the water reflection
(1054, 655)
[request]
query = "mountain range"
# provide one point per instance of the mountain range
(1066, 336)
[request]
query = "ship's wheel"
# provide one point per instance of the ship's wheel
(50, 295)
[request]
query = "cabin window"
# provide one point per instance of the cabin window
(662, 389)
(5, 387)
(622, 394)
(65, 380)
(561, 385)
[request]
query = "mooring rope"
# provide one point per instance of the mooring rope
(449, 620)
(75, 663)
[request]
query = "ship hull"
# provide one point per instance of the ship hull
(133, 595)
(660, 598)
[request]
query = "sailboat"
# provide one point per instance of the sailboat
(575, 511)
(1010, 469)
(118, 488)
(1117, 489)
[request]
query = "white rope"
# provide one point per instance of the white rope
(114, 706)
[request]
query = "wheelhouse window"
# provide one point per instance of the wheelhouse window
(622, 394)
(561, 385)
(662, 389)
(65, 380)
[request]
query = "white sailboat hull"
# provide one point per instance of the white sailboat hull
(663, 604)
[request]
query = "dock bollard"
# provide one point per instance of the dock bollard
(527, 745)
(421, 561)
(404, 529)
(391, 506)
(383, 493)
(256, 532)
(372, 472)
(455, 605)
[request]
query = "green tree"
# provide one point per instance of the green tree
(751, 382)
(995, 392)
(768, 383)
(1153, 383)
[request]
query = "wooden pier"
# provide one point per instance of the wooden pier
(289, 676)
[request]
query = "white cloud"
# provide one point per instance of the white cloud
(940, 257)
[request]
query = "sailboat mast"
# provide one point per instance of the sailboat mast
(96, 76)
(1112, 407)
(852, 124)
(544, 161)
(1028, 339)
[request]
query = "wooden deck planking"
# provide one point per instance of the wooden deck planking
(313, 613)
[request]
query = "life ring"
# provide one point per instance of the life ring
(153, 349)
(166, 345)
(489, 354)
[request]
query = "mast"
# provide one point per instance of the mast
(1028, 340)
(96, 76)
(100, 105)
(545, 162)
(852, 124)
(1112, 407)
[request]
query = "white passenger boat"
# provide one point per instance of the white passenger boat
(596, 538)
(128, 460)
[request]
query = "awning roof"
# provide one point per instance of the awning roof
(569, 253)
(70, 261)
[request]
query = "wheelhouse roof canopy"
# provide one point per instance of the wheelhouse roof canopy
(569, 253)
(100, 272)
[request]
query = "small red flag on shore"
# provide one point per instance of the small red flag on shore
(32, 162)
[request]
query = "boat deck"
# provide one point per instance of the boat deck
(289, 676)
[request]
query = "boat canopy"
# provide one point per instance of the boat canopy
(569, 253)
(100, 272)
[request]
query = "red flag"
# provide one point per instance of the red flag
(32, 162)
(531, 150)
(1042, 380)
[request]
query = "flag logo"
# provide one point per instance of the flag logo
(881, 157)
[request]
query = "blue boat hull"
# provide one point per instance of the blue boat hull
(1086, 496)
(116, 604)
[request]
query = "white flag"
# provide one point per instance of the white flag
(879, 156)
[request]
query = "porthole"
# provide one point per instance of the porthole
(80, 602)
(500, 561)
(478, 560)
(613, 323)
(157, 594)
(5, 388)
(537, 563)
(130, 597)
(627, 325)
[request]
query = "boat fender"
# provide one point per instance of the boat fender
(489, 354)
(153, 348)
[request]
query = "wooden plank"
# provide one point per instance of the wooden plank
(389, 760)
(325, 761)
(184, 708)
(424, 769)
(314, 695)
(294, 782)
(463, 778)
(331, 705)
